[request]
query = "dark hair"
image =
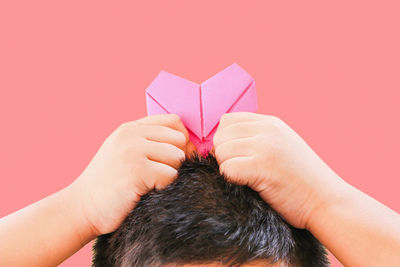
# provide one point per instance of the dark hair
(201, 218)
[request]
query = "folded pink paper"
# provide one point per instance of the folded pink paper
(201, 106)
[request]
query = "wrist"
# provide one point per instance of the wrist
(74, 196)
(335, 193)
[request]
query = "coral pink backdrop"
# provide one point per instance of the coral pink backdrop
(72, 71)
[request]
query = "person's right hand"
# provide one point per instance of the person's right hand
(264, 153)
(136, 158)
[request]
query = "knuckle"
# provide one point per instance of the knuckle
(218, 151)
(172, 174)
(168, 177)
(226, 148)
(180, 154)
(275, 120)
(241, 127)
(174, 118)
(129, 124)
(225, 117)
(168, 147)
(271, 146)
(223, 167)
(173, 150)
(216, 141)
(125, 124)
(181, 138)
(132, 154)
(229, 172)
(252, 144)
(125, 128)
(160, 186)
(268, 140)
(126, 135)
(274, 126)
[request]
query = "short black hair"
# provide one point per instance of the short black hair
(201, 218)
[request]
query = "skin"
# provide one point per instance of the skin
(264, 153)
(256, 263)
(134, 159)
(252, 149)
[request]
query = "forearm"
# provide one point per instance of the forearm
(357, 229)
(46, 232)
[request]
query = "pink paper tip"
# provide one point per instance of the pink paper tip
(201, 106)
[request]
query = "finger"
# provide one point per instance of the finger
(165, 153)
(161, 175)
(169, 120)
(235, 148)
(235, 117)
(212, 151)
(236, 170)
(235, 131)
(190, 149)
(164, 134)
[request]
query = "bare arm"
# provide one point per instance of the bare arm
(136, 158)
(46, 232)
(357, 229)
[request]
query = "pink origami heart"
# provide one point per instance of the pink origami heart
(201, 106)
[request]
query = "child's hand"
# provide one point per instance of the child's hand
(136, 158)
(264, 153)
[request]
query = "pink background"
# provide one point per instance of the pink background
(72, 71)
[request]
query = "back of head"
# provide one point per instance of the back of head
(201, 218)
